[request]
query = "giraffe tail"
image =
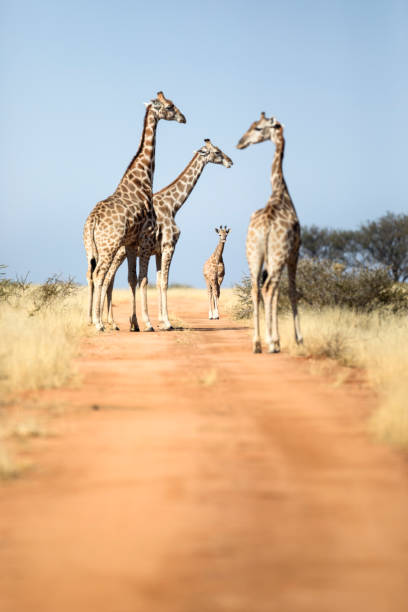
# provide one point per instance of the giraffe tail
(93, 255)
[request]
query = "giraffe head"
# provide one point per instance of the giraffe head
(211, 153)
(166, 109)
(263, 129)
(277, 131)
(222, 232)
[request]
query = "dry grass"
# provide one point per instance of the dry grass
(375, 342)
(24, 426)
(10, 466)
(37, 350)
(183, 332)
(40, 330)
(208, 378)
(15, 429)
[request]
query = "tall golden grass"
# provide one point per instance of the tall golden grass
(38, 344)
(37, 349)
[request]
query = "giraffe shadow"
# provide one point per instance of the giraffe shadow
(216, 329)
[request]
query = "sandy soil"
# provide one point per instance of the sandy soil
(209, 479)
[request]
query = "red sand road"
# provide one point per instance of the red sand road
(209, 480)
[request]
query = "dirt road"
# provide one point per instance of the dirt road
(209, 479)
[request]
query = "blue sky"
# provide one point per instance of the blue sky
(75, 75)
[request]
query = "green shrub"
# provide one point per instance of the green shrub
(242, 309)
(322, 283)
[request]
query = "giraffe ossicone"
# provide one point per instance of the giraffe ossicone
(273, 240)
(117, 221)
(214, 272)
(160, 237)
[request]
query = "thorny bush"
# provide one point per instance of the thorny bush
(42, 296)
(322, 283)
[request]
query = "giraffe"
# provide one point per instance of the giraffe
(160, 240)
(214, 272)
(119, 219)
(273, 240)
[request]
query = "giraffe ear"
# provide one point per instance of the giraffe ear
(216, 230)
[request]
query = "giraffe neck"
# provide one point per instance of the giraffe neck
(277, 179)
(178, 191)
(217, 255)
(140, 171)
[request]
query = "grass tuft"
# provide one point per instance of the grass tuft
(208, 378)
(10, 466)
(40, 328)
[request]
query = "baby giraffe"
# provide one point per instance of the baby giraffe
(214, 272)
(273, 239)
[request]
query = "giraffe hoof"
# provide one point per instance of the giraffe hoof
(257, 347)
(134, 326)
(148, 329)
(167, 328)
(100, 327)
(114, 327)
(274, 348)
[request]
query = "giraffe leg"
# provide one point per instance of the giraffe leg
(109, 313)
(100, 273)
(292, 265)
(274, 345)
(143, 281)
(256, 340)
(270, 293)
(158, 287)
(132, 280)
(216, 295)
(209, 291)
(110, 278)
(255, 266)
(90, 280)
(166, 258)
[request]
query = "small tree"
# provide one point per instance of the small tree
(326, 243)
(385, 242)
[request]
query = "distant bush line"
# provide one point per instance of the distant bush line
(364, 270)
(380, 243)
(41, 296)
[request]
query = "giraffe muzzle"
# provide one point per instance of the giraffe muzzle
(242, 144)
